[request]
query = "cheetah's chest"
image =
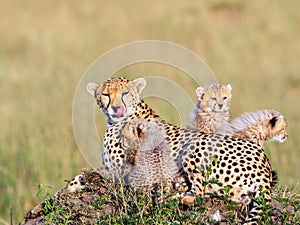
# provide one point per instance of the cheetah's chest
(113, 155)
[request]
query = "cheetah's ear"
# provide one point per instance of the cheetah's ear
(92, 87)
(200, 91)
(280, 119)
(142, 127)
(140, 84)
(273, 121)
(229, 87)
(131, 128)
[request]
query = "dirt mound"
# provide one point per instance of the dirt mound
(104, 202)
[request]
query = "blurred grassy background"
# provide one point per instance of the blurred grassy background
(45, 46)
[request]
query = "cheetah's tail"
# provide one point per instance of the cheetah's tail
(274, 179)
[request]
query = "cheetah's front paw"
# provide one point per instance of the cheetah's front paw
(188, 200)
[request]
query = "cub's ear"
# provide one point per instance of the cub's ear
(142, 126)
(273, 121)
(141, 129)
(131, 128)
(281, 120)
(140, 84)
(200, 91)
(229, 87)
(92, 87)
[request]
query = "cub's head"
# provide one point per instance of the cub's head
(214, 98)
(117, 97)
(276, 128)
(259, 126)
(141, 134)
(133, 133)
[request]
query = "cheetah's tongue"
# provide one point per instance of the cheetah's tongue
(120, 111)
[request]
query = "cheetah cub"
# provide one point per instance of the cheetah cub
(258, 127)
(212, 108)
(147, 155)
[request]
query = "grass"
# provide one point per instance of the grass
(104, 202)
(47, 45)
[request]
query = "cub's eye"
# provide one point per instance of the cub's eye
(105, 95)
(125, 93)
(214, 99)
(224, 98)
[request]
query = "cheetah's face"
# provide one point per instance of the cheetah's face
(214, 98)
(277, 127)
(118, 97)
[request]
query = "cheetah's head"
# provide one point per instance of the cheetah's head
(141, 134)
(117, 98)
(277, 128)
(214, 98)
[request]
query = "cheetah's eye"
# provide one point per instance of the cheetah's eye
(125, 93)
(224, 98)
(214, 99)
(105, 95)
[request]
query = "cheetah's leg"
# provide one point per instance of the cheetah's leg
(180, 182)
(254, 208)
(197, 188)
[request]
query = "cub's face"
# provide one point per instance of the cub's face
(214, 98)
(118, 97)
(277, 128)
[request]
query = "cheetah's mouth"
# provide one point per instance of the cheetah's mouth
(117, 116)
(119, 112)
(220, 109)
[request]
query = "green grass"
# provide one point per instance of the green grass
(45, 46)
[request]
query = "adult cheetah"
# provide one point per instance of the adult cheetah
(240, 165)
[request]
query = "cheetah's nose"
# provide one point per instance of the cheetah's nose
(115, 108)
(118, 110)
